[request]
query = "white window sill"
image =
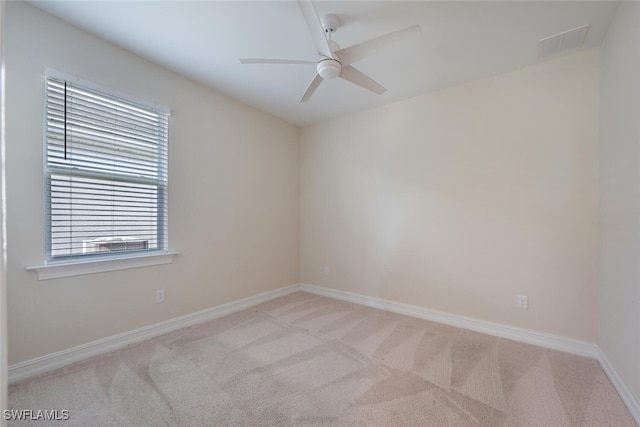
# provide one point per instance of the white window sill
(78, 268)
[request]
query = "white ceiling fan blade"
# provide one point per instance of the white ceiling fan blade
(312, 88)
(359, 78)
(354, 53)
(273, 61)
(315, 28)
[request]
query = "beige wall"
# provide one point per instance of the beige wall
(619, 180)
(233, 196)
(463, 199)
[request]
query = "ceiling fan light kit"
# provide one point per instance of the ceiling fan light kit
(335, 62)
(329, 68)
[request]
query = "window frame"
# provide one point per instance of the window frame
(109, 260)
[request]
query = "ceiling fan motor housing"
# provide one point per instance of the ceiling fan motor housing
(329, 68)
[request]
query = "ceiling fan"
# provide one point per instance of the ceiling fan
(336, 62)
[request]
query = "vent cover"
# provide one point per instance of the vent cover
(566, 40)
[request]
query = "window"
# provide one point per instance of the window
(105, 173)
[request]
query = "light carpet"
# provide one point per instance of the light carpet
(305, 360)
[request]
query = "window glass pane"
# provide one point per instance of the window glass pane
(94, 215)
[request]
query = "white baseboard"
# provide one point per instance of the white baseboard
(504, 331)
(625, 394)
(49, 362)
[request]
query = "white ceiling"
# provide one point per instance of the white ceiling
(460, 42)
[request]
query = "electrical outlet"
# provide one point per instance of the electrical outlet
(326, 270)
(159, 296)
(522, 301)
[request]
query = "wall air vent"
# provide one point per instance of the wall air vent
(566, 40)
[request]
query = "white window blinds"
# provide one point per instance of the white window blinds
(106, 173)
